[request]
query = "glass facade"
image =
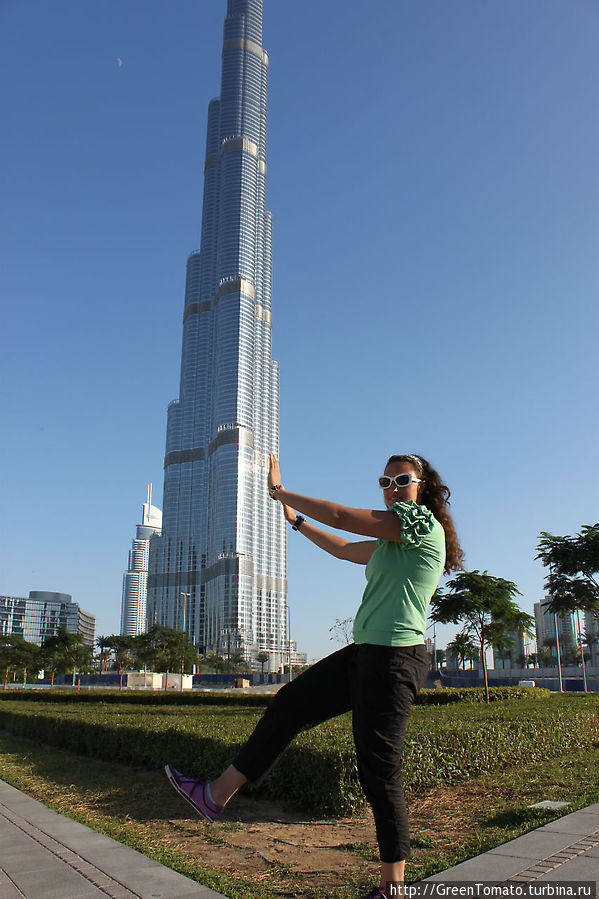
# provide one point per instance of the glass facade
(41, 615)
(218, 570)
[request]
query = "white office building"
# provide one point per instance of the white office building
(135, 579)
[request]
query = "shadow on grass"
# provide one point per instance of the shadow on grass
(520, 817)
(118, 791)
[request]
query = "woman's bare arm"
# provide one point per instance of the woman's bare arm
(359, 553)
(368, 522)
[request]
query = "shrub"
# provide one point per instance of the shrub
(318, 772)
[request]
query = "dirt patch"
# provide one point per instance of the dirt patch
(311, 855)
(258, 837)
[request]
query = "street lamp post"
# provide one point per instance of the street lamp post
(289, 634)
(185, 596)
(584, 667)
(559, 658)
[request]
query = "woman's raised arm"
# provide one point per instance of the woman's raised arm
(359, 552)
(367, 522)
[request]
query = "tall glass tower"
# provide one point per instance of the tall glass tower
(218, 570)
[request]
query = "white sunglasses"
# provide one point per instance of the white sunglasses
(400, 480)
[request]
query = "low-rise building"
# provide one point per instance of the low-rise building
(42, 613)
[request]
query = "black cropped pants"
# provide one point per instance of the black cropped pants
(378, 684)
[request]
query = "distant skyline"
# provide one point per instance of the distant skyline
(432, 173)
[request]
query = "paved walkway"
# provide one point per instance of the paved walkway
(565, 849)
(46, 856)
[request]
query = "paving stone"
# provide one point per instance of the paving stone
(51, 857)
(7, 888)
(550, 803)
(581, 868)
(484, 867)
(575, 823)
(534, 845)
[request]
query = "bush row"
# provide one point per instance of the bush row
(145, 697)
(477, 694)
(317, 774)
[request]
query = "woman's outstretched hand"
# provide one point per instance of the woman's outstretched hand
(274, 474)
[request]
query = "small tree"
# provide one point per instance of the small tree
(573, 564)
(263, 658)
(123, 648)
(25, 655)
(5, 657)
(52, 656)
(342, 631)
(81, 661)
(484, 603)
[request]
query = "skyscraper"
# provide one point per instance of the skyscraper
(219, 568)
(135, 579)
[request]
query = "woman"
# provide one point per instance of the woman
(378, 676)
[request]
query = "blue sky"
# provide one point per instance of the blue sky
(432, 172)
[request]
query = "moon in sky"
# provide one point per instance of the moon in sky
(119, 63)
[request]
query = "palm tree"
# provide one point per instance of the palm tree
(103, 644)
(263, 657)
(462, 647)
(123, 647)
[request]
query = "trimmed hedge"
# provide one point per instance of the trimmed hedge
(187, 698)
(317, 773)
(477, 694)
(137, 697)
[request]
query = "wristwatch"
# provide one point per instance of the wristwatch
(299, 520)
(272, 490)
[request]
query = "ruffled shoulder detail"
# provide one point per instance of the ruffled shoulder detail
(416, 522)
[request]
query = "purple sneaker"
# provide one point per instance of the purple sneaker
(193, 790)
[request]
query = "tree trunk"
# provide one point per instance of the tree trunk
(6, 676)
(166, 682)
(24, 678)
(121, 682)
(52, 681)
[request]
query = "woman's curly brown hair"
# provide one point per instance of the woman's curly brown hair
(435, 496)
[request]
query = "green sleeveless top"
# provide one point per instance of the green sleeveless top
(401, 579)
